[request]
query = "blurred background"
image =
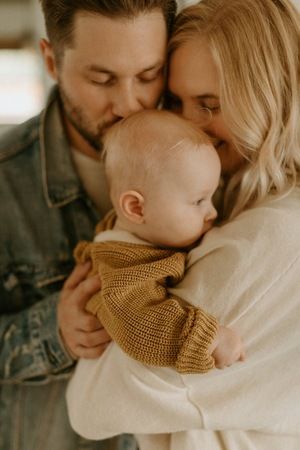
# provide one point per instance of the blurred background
(23, 81)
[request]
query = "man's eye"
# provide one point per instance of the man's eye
(151, 77)
(107, 82)
(171, 102)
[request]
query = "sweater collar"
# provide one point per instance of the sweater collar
(120, 235)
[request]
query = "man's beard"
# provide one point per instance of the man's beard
(76, 116)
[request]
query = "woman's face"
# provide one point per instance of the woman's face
(193, 85)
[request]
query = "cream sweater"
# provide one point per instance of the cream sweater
(247, 274)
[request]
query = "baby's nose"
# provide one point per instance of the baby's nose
(212, 213)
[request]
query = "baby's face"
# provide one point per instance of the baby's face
(178, 208)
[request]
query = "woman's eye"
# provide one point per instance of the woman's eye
(213, 109)
(212, 104)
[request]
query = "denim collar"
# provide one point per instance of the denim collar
(60, 181)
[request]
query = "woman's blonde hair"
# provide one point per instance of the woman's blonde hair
(255, 45)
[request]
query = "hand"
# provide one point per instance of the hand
(227, 348)
(82, 333)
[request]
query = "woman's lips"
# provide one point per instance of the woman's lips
(217, 143)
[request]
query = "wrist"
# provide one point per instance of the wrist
(66, 347)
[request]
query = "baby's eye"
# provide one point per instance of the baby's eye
(198, 202)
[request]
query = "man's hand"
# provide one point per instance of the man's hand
(227, 348)
(82, 333)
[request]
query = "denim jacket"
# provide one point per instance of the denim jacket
(44, 213)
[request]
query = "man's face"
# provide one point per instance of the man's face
(113, 69)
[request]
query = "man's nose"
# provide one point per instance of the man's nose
(126, 101)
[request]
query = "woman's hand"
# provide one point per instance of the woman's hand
(82, 333)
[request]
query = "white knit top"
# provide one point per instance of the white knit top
(247, 274)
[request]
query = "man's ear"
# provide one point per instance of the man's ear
(49, 58)
(132, 206)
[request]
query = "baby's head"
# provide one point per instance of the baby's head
(162, 172)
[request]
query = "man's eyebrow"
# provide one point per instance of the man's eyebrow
(101, 69)
(155, 66)
(96, 68)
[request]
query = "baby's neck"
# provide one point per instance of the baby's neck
(129, 228)
(121, 225)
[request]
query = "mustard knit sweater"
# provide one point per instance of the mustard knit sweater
(151, 325)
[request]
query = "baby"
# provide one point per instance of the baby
(162, 173)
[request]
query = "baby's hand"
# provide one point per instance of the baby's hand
(227, 348)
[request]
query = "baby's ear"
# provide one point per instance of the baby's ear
(132, 206)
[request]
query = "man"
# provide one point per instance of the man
(107, 58)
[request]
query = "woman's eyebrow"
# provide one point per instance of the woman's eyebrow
(207, 96)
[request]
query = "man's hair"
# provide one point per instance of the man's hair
(256, 48)
(59, 14)
(138, 149)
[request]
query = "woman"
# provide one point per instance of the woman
(234, 69)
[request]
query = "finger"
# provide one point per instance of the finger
(85, 290)
(93, 339)
(77, 275)
(87, 322)
(90, 353)
(220, 366)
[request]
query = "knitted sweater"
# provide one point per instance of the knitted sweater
(245, 273)
(134, 306)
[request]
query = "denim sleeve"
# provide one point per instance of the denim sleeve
(31, 347)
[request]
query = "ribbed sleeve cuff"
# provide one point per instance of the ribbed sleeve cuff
(198, 334)
(49, 350)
